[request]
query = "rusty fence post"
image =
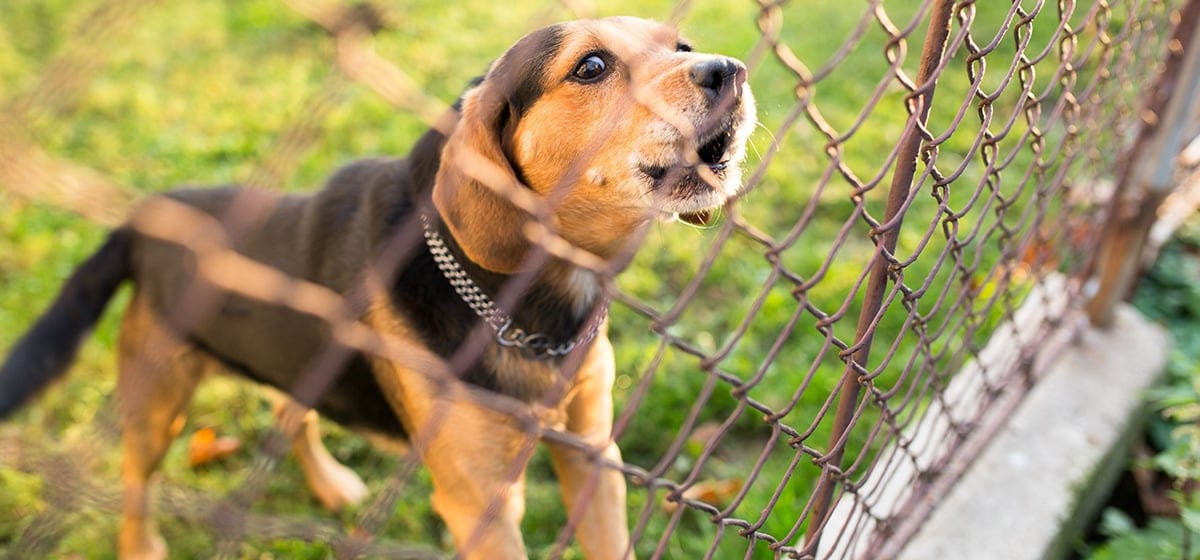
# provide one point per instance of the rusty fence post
(936, 37)
(1148, 173)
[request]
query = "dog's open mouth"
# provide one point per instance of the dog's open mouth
(685, 183)
(713, 153)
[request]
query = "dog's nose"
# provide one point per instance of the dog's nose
(717, 74)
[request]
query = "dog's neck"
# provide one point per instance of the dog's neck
(559, 302)
(582, 286)
(556, 299)
(425, 158)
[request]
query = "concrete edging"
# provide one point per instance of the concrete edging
(1049, 468)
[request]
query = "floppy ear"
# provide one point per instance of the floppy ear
(478, 190)
(476, 183)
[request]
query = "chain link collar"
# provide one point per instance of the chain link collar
(536, 345)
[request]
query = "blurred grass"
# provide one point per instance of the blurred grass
(196, 92)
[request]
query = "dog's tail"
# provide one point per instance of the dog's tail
(45, 352)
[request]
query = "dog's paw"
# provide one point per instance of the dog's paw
(149, 547)
(337, 487)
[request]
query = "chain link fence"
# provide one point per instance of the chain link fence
(802, 379)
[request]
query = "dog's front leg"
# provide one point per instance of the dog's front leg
(594, 493)
(476, 457)
(477, 461)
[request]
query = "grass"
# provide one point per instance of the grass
(198, 92)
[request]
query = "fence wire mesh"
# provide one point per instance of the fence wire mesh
(802, 379)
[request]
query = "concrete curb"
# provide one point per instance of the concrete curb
(1050, 467)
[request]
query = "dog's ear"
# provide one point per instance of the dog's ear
(477, 182)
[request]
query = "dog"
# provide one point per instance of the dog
(548, 171)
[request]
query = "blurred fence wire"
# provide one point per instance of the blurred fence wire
(857, 401)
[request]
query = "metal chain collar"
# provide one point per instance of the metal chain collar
(537, 345)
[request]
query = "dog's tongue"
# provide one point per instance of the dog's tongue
(698, 218)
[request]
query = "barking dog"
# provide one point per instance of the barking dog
(576, 139)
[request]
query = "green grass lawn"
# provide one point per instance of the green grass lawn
(199, 92)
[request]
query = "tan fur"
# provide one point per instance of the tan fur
(583, 184)
(651, 109)
(157, 377)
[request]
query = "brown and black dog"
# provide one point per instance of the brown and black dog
(578, 137)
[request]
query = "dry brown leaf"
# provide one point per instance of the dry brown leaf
(704, 433)
(205, 447)
(716, 492)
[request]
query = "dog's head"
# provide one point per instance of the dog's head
(596, 127)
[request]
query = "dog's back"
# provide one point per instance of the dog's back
(326, 238)
(323, 238)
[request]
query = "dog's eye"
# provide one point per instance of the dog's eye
(683, 47)
(590, 69)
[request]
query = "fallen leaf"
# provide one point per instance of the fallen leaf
(716, 492)
(704, 433)
(205, 447)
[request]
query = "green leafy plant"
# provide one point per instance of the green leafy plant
(1170, 294)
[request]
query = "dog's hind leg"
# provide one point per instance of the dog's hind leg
(333, 484)
(157, 377)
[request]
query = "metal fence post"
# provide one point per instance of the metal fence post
(936, 37)
(1149, 169)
